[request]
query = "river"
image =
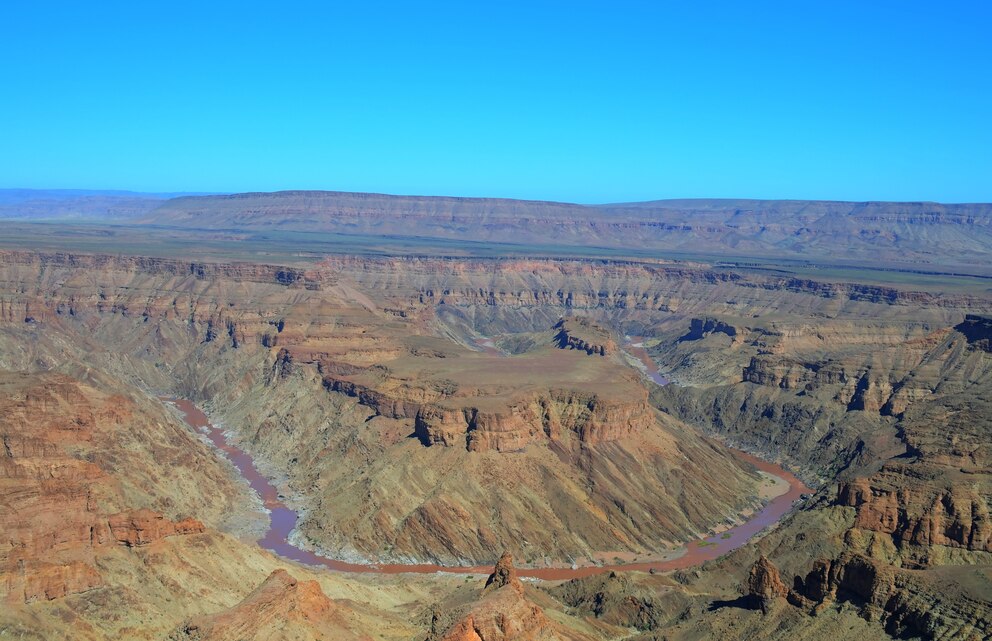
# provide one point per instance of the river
(634, 345)
(283, 520)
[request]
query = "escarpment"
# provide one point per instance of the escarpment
(142, 527)
(937, 495)
(591, 419)
(482, 402)
(480, 415)
(906, 234)
(167, 267)
(700, 328)
(498, 291)
(906, 524)
(636, 287)
(901, 504)
(826, 396)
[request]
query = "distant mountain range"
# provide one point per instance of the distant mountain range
(875, 232)
(14, 196)
(95, 204)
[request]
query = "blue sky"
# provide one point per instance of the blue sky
(575, 101)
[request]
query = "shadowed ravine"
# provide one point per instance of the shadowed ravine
(283, 520)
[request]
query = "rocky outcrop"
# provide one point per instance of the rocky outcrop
(871, 393)
(790, 374)
(619, 598)
(977, 330)
(41, 580)
(764, 584)
(504, 574)
(700, 328)
(381, 402)
(142, 527)
(280, 608)
(918, 513)
(504, 612)
(502, 618)
(928, 605)
(584, 335)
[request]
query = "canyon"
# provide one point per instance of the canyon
(573, 420)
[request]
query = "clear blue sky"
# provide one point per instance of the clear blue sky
(585, 102)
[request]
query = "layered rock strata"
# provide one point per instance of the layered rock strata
(62, 492)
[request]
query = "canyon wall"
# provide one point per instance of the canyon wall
(358, 382)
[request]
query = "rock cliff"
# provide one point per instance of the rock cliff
(582, 334)
(978, 330)
(909, 604)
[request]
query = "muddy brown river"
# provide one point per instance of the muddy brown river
(283, 521)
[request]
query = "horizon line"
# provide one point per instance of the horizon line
(172, 194)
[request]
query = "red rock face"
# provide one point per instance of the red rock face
(919, 513)
(142, 527)
(51, 524)
(502, 620)
(47, 581)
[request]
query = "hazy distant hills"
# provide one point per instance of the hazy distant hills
(917, 233)
(48, 204)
